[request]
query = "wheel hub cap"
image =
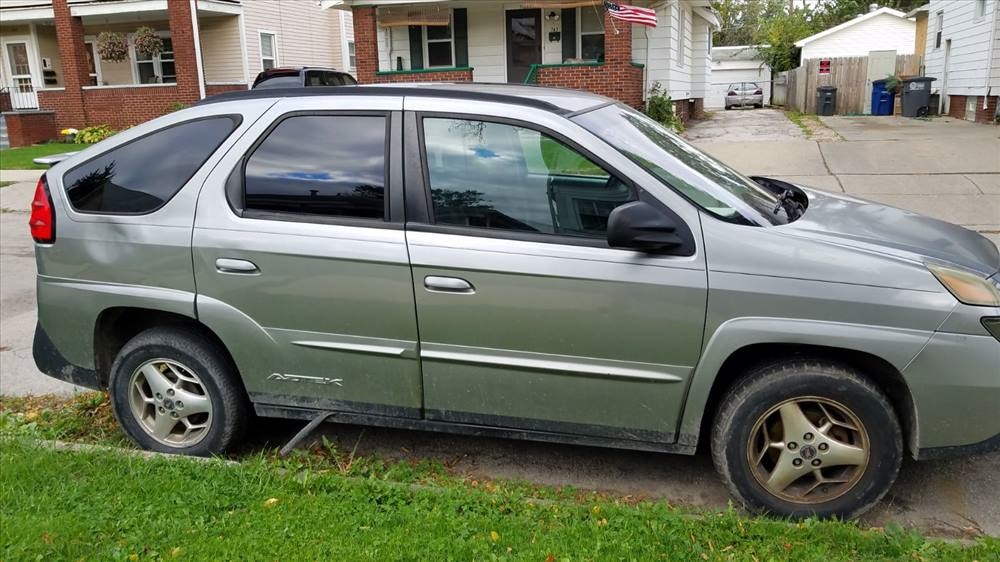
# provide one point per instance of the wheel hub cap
(808, 450)
(170, 402)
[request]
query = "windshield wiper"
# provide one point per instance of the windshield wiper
(793, 209)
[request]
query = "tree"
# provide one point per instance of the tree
(741, 20)
(778, 37)
(830, 13)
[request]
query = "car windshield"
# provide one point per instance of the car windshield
(705, 181)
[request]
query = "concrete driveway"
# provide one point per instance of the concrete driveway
(958, 497)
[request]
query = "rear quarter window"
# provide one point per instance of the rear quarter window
(141, 175)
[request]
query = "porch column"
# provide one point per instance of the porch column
(185, 58)
(366, 43)
(76, 73)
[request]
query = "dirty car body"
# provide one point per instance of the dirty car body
(514, 261)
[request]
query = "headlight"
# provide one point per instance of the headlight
(968, 288)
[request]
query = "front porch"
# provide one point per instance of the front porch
(562, 43)
(51, 61)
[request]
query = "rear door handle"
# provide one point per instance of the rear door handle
(437, 284)
(231, 265)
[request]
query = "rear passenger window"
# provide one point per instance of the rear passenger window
(142, 175)
(331, 165)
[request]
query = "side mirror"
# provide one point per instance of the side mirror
(640, 226)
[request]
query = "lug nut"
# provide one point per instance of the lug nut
(807, 436)
(797, 462)
(170, 392)
(816, 462)
(174, 415)
(823, 446)
(792, 446)
(159, 396)
(179, 404)
(161, 410)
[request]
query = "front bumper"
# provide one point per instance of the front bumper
(52, 363)
(955, 385)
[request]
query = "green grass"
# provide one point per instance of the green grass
(21, 158)
(800, 119)
(6, 183)
(327, 504)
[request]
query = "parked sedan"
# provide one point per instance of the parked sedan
(511, 261)
(744, 94)
(302, 77)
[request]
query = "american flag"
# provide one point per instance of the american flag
(632, 14)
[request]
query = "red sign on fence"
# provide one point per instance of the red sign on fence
(824, 66)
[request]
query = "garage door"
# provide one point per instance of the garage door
(721, 79)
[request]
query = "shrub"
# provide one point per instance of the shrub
(112, 46)
(660, 108)
(177, 106)
(94, 133)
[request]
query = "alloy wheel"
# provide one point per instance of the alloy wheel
(808, 450)
(170, 402)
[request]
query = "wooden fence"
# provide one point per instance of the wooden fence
(848, 74)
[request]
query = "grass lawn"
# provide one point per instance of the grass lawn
(21, 158)
(325, 504)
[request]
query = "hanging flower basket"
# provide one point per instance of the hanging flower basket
(112, 46)
(147, 42)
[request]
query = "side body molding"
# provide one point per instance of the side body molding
(898, 346)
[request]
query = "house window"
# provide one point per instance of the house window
(158, 69)
(591, 38)
(938, 30)
(980, 8)
(268, 56)
(681, 21)
(93, 63)
(352, 58)
(439, 46)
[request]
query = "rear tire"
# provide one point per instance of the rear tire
(174, 391)
(807, 438)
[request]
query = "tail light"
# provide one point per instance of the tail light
(759, 92)
(732, 92)
(43, 217)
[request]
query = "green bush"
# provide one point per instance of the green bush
(177, 106)
(660, 108)
(94, 133)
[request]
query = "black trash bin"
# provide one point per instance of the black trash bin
(826, 100)
(917, 96)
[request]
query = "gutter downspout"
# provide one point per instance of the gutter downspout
(197, 48)
(990, 50)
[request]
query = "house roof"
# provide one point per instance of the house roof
(846, 24)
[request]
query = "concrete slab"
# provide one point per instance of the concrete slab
(957, 156)
(987, 183)
(748, 124)
(909, 184)
(774, 158)
(869, 128)
(826, 183)
(979, 212)
(17, 197)
(21, 175)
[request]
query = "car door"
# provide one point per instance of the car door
(527, 318)
(301, 263)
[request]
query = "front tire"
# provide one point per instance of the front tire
(807, 438)
(174, 391)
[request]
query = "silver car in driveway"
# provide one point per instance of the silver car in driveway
(744, 94)
(511, 261)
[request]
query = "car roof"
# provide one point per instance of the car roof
(558, 100)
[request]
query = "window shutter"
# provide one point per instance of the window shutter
(568, 33)
(416, 47)
(461, 36)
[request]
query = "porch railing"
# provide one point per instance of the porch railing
(22, 96)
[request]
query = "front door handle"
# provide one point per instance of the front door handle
(437, 284)
(232, 265)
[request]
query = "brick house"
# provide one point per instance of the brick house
(962, 50)
(565, 43)
(52, 75)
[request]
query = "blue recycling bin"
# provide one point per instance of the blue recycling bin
(882, 100)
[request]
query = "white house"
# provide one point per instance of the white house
(569, 43)
(963, 53)
(736, 64)
(883, 29)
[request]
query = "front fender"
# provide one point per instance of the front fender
(897, 346)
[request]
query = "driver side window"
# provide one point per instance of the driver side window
(504, 177)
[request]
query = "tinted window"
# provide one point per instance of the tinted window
(497, 176)
(140, 176)
(330, 165)
(286, 81)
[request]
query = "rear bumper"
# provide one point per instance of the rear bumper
(52, 363)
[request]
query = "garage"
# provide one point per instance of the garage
(736, 64)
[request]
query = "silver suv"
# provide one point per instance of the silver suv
(513, 261)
